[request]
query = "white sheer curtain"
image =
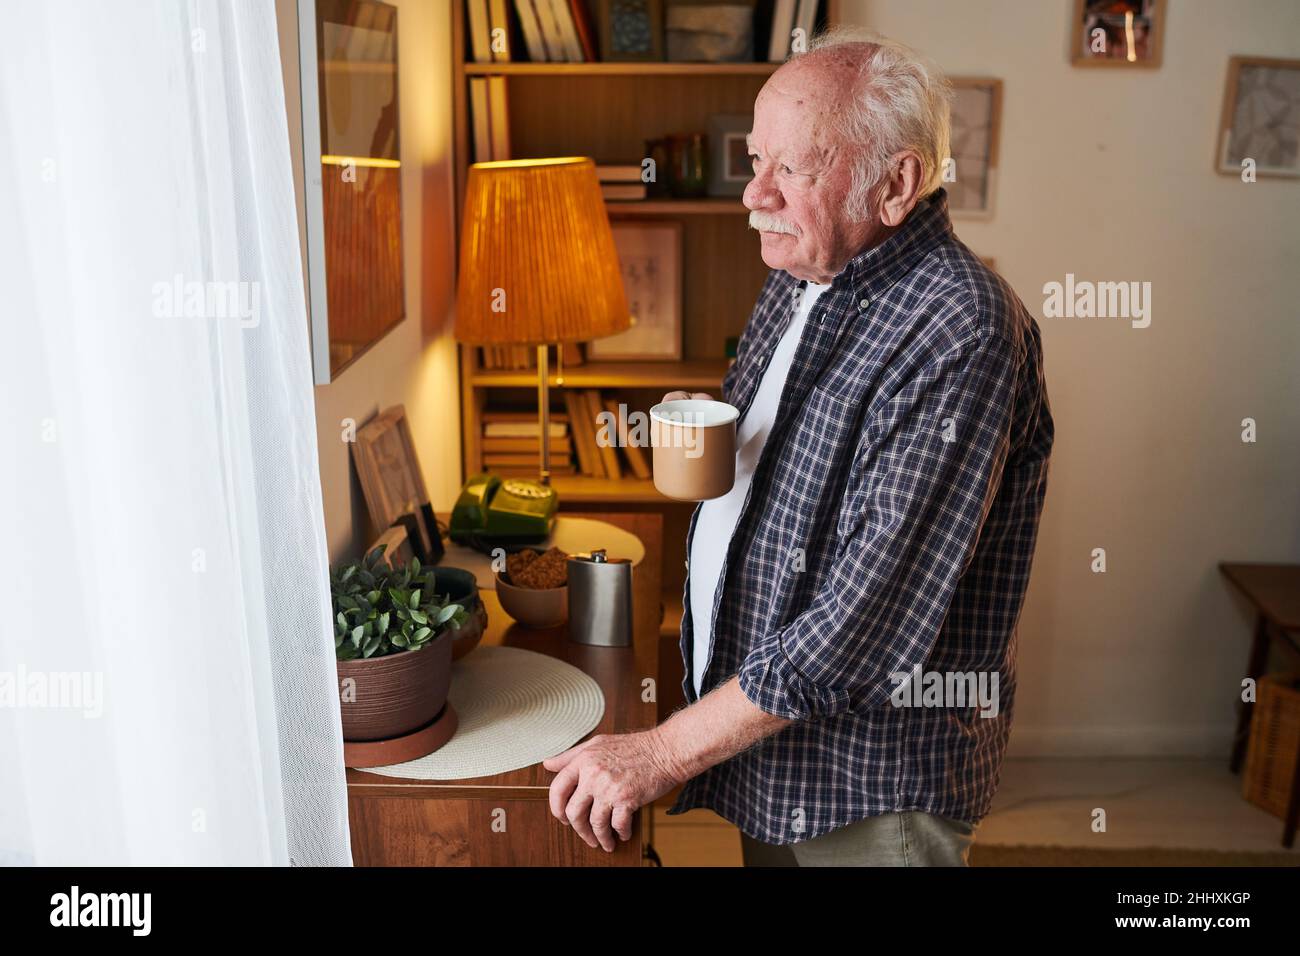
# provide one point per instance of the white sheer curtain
(167, 690)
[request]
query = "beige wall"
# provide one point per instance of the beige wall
(1108, 174)
(415, 364)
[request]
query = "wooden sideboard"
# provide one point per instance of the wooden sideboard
(400, 822)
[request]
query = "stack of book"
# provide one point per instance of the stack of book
(602, 450)
(511, 444)
(519, 357)
(620, 181)
(554, 31)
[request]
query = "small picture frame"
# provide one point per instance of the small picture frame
(630, 30)
(971, 177)
(1259, 128)
(1118, 33)
(729, 167)
(650, 257)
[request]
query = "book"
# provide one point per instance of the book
(520, 430)
(531, 29)
(568, 30)
(623, 191)
(586, 29)
(482, 120)
(634, 454)
(618, 172)
(588, 459)
(499, 114)
(523, 444)
(497, 14)
(807, 18)
(480, 30)
(550, 31)
(782, 23)
(521, 471)
(558, 459)
(605, 442)
(528, 417)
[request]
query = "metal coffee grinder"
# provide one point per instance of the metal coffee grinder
(600, 600)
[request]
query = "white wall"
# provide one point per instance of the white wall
(1108, 174)
(416, 363)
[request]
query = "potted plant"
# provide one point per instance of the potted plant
(392, 640)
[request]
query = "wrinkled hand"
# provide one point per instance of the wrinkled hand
(603, 781)
(681, 396)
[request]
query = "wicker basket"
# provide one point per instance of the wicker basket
(1274, 743)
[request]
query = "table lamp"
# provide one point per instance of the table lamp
(537, 264)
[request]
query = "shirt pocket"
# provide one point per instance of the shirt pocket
(819, 455)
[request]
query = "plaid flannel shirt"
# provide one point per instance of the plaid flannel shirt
(890, 523)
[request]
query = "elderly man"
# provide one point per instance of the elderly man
(891, 466)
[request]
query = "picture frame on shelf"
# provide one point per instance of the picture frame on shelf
(630, 30)
(650, 257)
(729, 167)
(1259, 127)
(1118, 33)
(976, 124)
(391, 481)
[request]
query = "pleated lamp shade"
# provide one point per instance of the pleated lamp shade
(537, 258)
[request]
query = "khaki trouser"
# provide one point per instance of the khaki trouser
(910, 838)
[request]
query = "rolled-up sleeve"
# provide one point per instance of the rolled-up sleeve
(930, 464)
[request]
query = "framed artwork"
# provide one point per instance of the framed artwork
(1119, 33)
(650, 256)
(1261, 118)
(729, 167)
(973, 148)
(630, 29)
(384, 455)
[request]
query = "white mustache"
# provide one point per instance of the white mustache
(766, 222)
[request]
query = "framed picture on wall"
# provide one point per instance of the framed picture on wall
(1259, 128)
(729, 167)
(1118, 33)
(650, 257)
(973, 148)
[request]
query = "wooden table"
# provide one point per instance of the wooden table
(1274, 592)
(400, 822)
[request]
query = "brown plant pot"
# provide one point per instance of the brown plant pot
(393, 695)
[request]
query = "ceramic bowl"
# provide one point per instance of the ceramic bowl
(533, 607)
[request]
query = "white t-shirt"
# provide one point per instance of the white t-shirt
(718, 517)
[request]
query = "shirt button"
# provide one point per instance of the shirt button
(863, 304)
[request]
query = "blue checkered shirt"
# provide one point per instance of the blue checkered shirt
(890, 523)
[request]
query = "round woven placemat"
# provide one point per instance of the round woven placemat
(516, 708)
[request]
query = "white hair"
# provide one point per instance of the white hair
(900, 101)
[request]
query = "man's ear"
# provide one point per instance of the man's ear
(901, 189)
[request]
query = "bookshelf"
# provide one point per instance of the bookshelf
(619, 69)
(608, 111)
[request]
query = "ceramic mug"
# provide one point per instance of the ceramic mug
(694, 443)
